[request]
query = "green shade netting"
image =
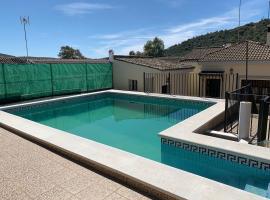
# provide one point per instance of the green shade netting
(27, 81)
(99, 76)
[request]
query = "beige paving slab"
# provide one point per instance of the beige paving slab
(130, 194)
(28, 171)
(115, 196)
(55, 193)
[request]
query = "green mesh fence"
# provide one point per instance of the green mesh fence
(27, 81)
(69, 78)
(2, 84)
(99, 76)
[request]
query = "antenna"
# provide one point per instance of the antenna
(25, 21)
(268, 9)
(239, 18)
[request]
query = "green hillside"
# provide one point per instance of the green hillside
(252, 31)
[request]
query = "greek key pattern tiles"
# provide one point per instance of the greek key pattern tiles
(217, 154)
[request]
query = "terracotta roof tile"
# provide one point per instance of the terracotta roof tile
(40, 60)
(155, 63)
(13, 60)
(199, 53)
(237, 52)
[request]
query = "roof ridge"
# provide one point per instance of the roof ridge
(221, 49)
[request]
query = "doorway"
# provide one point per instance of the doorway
(212, 88)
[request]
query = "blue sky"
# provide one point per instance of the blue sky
(94, 27)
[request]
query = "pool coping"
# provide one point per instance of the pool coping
(128, 165)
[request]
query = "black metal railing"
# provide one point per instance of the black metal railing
(259, 121)
(232, 105)
(262, 135)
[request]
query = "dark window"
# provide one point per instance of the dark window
(212, 88)
(133, 85)
(165, 89)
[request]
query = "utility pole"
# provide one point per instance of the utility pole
(25, 21)
(239, 19)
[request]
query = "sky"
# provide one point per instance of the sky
(96, 26)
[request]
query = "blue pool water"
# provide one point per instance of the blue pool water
(132, 123)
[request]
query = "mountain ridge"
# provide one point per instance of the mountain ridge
(255, 31)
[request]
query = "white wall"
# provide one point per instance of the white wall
(256, 70)
(124, 71)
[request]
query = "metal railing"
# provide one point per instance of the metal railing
(263, 128)
(259, 121)
(232, 105)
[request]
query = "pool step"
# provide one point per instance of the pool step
(249, 187)
(220, 134)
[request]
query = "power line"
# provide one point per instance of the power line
(25, 21)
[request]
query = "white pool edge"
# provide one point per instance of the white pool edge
(174, 182)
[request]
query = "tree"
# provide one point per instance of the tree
(132, 53)
(138, 53)
(67, 52)
(154, 47)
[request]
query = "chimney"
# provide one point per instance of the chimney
(268, 35)
(227, 45)
(111, 55)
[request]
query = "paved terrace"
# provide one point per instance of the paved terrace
(29, 171)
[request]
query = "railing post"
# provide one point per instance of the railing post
(263, 119)
(226, 110)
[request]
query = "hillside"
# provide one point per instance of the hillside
(252, 31)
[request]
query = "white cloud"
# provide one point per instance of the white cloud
(125, 41)
(80, 8)
(204, 23)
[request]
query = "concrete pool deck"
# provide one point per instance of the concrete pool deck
(164, 181)
(29, 171)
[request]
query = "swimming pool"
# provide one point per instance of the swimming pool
(132, 123)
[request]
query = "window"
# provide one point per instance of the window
(133, 85)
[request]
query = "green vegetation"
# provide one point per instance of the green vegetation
(154, 47)
(132, 53)
(252, 31)
(67, 52)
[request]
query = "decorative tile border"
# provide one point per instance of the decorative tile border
(217, 154)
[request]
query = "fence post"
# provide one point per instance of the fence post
(262, 121)
(144, 87)
(86, 76)
(169, 83)
(4, 80)
(199, 85)
(237, 81)
(51, 79)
